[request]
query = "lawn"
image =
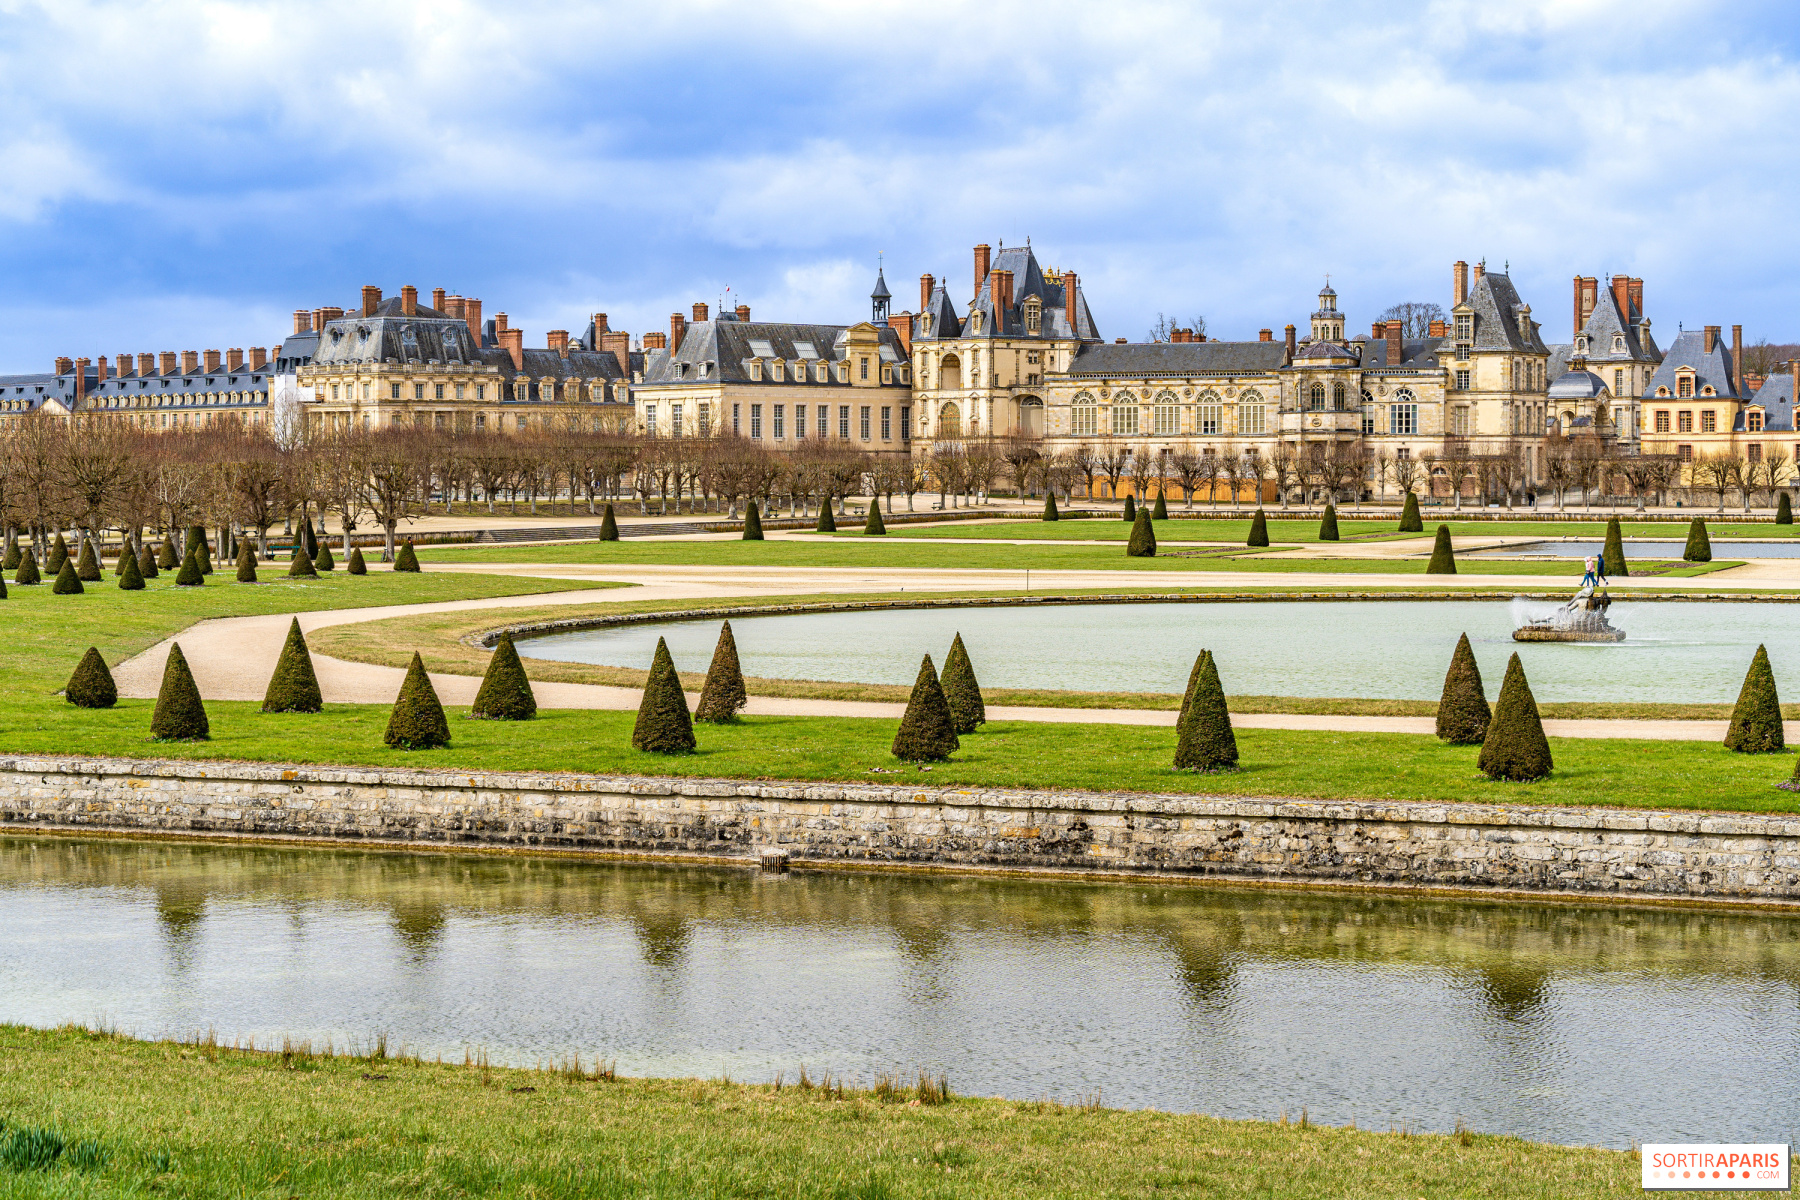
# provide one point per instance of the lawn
(1236, 530)
(195, 1120)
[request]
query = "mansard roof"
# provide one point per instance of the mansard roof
(1577, 385)
(1496, 303)
(1416, 354)
(430, 335)
(944, 323)
(1776, 396)
(717, 350)
(1709, 367)
(1606, 325)
(1140, 359)
(1028, 280)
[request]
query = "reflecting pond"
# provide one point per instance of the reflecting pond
(1693, 652)
(1579, 1024)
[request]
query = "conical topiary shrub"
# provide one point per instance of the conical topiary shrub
(1328, 530)
(67, 582)
(826, 523)
(59, 554)
(125, 552)
(1515, 748)
(179, 715)
(1443, 558)
(1756, 721)
(2, 589)
(1462, 712)
(505, 693)
(246, 563)
(609, 525)
(190, 574)
(91, 686)
(294, 687)
(202, 550)
(1784, 509)
(752, 522)
(417, 721)
(13, 554)
(130, 578)
(1203, 739)
(357, 566)
(962, 690)
(309, 541)
(1409, 516)
(663, 724)
(1050, 513)
(1612, 558)
(323, 560)
(407, 560)
(167, 557)
(300, 566)
(1130, 507)
(87, 564)
(1161, 511)
(927, 730)
(1259, 530)
(1143, 537)
(723, 694)
(873, 527)
(28, 570)
(146, 560)
(1699, 546)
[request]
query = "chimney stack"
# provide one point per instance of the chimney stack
(1737, 359)
(409, 301)
(743, 313)
(1396, 348)
(1621, 290)
(122, 366)
(64, 365)
(559, 341)
(212, 360)
(302, 321)
(1587, 290)
(619, 346)
(100, 365)
(1288, 356)
(901, 324)
(166, 363)
(437, 299)
(1480, 270)
(1637, 300)
(700, 311)
(657, 340)
(259, 358)
(1000, 294)
(453, 307)
(1265, 335)
(1439, 328)
(499, 323)
(472, 315)
(318, 320)
(1071, 302)
(371, 299)
(677, 328)
(1711, 337)
(926, 284)
(983, 257)
(146, 365)
(599, 328)
(81, 368)
(234, 359)
(513, 342)
(190, 361)
(1459, 281)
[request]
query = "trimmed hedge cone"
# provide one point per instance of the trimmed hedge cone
(752, 522)
(1515, 749)
(1462, 713)
(323, 561)
(246, 564)
(1409, 516)
(609, 525)
(190, 574)
(417, 720)
(505, 693)
(1204, 740)
(357, 566)
(927, 730)
(294, 687)
(13, 554)
(91, 686)
(1143, 537)
(87, 566)
(723, 694)
(1699, 546)
(663, 724)
(1130, 507)
(1328, 530)
(1443, 557)
(1259, 530)
(130, 578)
(300, 566)
(1784, 509)
(1756, 721)
(167, 557)
(962, 690)
(1161, 511)
(826, 523)
(874, 526)
(146, 561)
(1050, 513)
(407, 560)
(1612, 558)
(179, 715)
(28, 571)
(59, 554)
(67, 583)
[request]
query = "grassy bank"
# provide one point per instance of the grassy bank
(195, 1120)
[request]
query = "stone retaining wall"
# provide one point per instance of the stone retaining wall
(1593, 851)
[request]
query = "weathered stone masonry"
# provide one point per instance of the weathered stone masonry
(1601, 851)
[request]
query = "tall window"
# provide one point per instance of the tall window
(1684, 386)
(887, 423)
(736, 425)
(905, 423)
(675, 420)
(863, 425)
(1315, 399)
(1087, 414)
(705, 420)
(1619, 382)
(1753, 452)
(799, 420)
(844, 421)
(1125, 416)
(756, 420)
(1462, 381)
(1167, 416)
(1252, 415)
(1684, 421)
(1403, 416)
(649, 420)
(1662, 420)
(780, 420)
(1709, 421)
(1337, 397)
(1459, 420)
(1212, 416)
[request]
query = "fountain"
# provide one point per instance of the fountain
(1582, 619)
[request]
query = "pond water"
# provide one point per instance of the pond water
(1677, 651)
(1644, 549)
(1563, 1023)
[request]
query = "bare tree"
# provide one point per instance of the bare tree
(1165, 327)
(1717, 473)
(1406, 470)
(1283, 465)
(1415, 317)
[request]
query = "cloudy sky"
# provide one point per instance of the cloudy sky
(182, 174)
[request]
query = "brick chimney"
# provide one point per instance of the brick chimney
(1288, 355)
(81, 370)
(513, 342)
(371, 299)
(1396, 348)
(1071, 299)
(318, 319)
(259, 358)
(1480, 270)
(558, 340)
(64, 365)
(1621, 290)
(1265, 335)
(166, 362)
(1000, 296)
(453, 307)
(926, 285)
(743, 313)
(700, 311)
(437, 299)
(1439, 328)
(1587, 292)
(677, 330)
(101, 364)
(499, 323)
(1637, 299)
(302, 321)
(122, 366)
(658, 340)
(902, 324)
(984, 256)
(619, 346)
(1711, 333)
(599, 327)
(190, 361)
(409, 301)
(146, 365)
(1459, 281)
(1379, 330)
(212, 360)
(472, 316)
(1737, 359)
(234, 359)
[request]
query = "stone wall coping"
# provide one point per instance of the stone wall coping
(1697, 823)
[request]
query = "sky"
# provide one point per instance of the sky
(183, 174)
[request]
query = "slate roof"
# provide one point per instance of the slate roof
(1028, 280)
(1776, 396)
(432, 336)
(1496, 303)
(296, 351)
(19, 394)
(1416, 354)
(1607, 328)
(1689, 350)
(1139, 359)
(944, 323)
(1324, 350)
(1577, 385)
(716, 350)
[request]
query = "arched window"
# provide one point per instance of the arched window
(949, 422)
(1337, 397)
(1087, 414)
(1252, 414)
(1316, 398)
(1210, 419)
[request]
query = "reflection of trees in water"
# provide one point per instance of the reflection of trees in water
(420, 925)
(1515, 993)
(180, 914)
(663, 938)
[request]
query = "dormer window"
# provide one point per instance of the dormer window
(755, 365)
(1753, 421)
(1708, 390)
(1034, 315)
(1619, 344)
(925, 324)
(975, 321)
(1684, 385)
(1465, 327)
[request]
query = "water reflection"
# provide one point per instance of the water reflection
(1553, 1022)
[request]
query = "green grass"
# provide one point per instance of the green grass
(198, 1121)
(1235, 530)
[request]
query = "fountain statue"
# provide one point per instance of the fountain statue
(1582, 619)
